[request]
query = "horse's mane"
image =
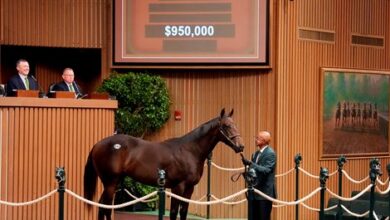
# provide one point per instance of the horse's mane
(200, 131)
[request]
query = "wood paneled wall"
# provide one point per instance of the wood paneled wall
(298, 82)
(60, 23)
(284, 99)
(38, 135)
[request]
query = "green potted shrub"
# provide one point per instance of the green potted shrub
(143, 108)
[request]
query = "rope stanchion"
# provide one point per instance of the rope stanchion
(349, 198)
(161, 193)
(110, 206)
(308, 174)
(383, 192)
(243, 168)
(278, 206)
(316, 209)
(382, 183)
(201, 198)
(324, 175)
(375, 216)
(285, 173)
(354, 214)
(228, 203)
(208, 195)
(340, 163)
(60, 176)
(297, 160)
(228, 200)
(2, 202)
(353, 180)
(134, 197)
(206, 203)
(288, 203)
(227, 169)
(334, 172)
(374, 173)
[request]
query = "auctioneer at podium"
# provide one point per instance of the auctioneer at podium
(68, 84)
(21, 81)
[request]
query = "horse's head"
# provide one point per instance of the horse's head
(229, 132)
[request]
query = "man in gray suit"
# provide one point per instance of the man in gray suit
(263, 161)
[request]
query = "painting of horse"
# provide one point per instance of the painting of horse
(182, 158)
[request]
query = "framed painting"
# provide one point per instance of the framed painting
(354, 113)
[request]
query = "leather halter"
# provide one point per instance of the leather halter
(230, 139)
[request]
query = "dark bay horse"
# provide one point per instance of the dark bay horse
(181, 158)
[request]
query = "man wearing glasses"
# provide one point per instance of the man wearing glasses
(68, 83)
(263, 161)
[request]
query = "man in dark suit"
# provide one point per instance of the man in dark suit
(263, 161)
(21, 81)
(68, 83)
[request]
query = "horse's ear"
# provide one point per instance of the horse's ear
(231, 112)
(222, 113)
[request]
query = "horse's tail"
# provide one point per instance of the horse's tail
(90, 179)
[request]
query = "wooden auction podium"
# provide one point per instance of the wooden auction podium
(40, 134)
(27, 93)
(62, 94)
(102, 95)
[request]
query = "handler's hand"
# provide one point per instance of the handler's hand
(246, 162)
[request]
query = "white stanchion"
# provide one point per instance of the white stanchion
(206, 203)
(229, 203)
(134, 197)
(227, 169)
(382, 183)
(383, 192)
(308, 174)
(110, 206)
(243, 168)
(334, 172)
(353, 180)
(316, 209)
(350, 198)
(29, 202)
(284, 174)
(375, 216)
(354, 214)
(288, 203)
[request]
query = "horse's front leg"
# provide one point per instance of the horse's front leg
(178, 190)
(184, 205)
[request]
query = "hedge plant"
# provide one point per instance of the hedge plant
(143, 108)
(143, 102)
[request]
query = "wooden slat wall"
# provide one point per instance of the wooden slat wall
(34, 141)
(60, 23)
(298, 95)
(284, 100)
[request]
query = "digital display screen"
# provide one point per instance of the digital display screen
(196, 31)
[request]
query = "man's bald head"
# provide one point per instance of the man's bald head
(265, 135)
(263, 138)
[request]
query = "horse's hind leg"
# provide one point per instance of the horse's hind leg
(106, 198)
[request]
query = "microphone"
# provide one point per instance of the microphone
(80, 96)
(41, 92)
(32, 76)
